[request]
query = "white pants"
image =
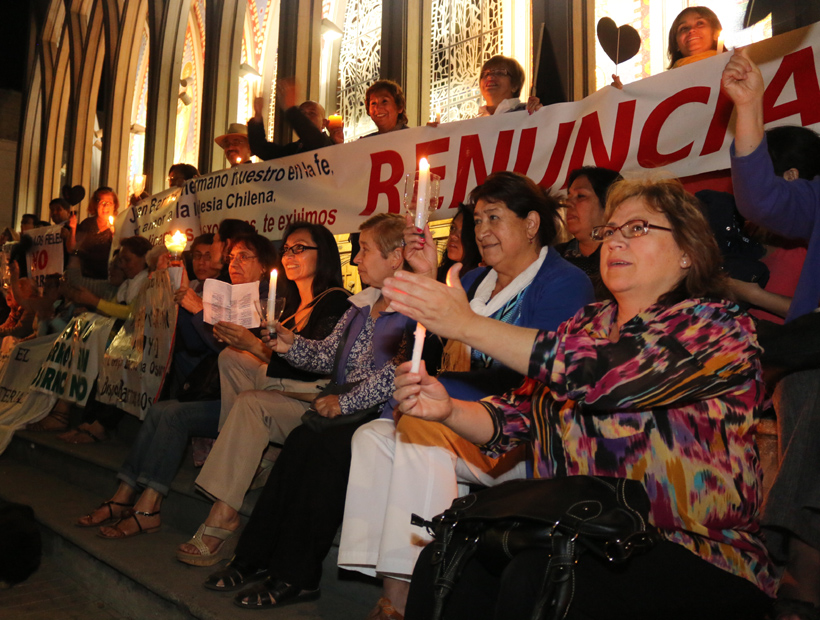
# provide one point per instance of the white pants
(419, 467)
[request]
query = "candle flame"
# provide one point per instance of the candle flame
(176, 243)
(238, 160)
(110, 220)
(423, 165)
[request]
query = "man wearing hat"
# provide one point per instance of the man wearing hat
(235, 144)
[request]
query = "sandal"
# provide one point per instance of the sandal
(785, 607)
(233, 577)
(384, 610)
(79, 437)
(121, 534)
(273, 593)
(206, 557)
(87, 520)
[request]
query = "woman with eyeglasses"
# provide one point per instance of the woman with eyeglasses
(264, 403)
(500, 83)
(659, 385)
(155, 455)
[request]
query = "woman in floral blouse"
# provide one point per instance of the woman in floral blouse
(659, 385)
(300, 509)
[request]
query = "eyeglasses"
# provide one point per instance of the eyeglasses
(633, 228)
(200, 256)
(241, 257)
(494, 72)
(297, 248)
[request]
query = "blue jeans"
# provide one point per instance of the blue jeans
(160, 445)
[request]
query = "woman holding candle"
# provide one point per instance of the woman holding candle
(91, 241)
(661, 385)
(160, 445)
(298, 514)
(413, 466)
(264, 404)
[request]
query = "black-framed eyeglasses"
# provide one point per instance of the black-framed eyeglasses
(494, 72)
(297, 248)
(241, 257)
(633, 228)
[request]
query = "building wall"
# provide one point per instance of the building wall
(10, 102)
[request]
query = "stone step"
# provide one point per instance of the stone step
(140, 577)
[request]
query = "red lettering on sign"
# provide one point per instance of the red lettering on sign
(558, 154)
(526, 146)
(388, 187)
(589, 135)
(470, 156)
(800, 65)
(426, 149)
(648, 154)
(720, 123)
(501, 159)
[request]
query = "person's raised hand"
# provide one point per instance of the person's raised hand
(420, 249)
(443, 310)
(534, 104)
(741, 79)
(420, 395)
(286, 93)
(616, 82)
(283, 340)
(258, 104)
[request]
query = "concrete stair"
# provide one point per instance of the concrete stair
(140, 577)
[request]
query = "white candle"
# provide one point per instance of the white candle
(422, 204)
(438, 115)
(418, 345)
(272, 301)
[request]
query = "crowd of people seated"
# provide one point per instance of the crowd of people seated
(600, 333)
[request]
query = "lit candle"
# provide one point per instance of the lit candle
(418, 345)
(422, 204)
(334, 121)
(720, 44)
(272, 302)
(438, 114)
(110, 220)
(238, 160)
(176, 243)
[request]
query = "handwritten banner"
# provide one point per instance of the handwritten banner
(137, 359)
(19, 366)
(73, 362)
(156, 216)
(46, 254)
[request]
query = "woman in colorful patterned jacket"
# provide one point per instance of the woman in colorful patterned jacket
(659, 385)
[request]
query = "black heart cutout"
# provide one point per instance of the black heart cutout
(619, 43)
(74, 195)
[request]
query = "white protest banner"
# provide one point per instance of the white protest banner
(18, 405)
(74, 361)
(156, 216)
(46, 254)
(138, 357)
(678, 120)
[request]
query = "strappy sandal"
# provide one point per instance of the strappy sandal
(273, 593)
(206, 557)
(121, 535)
(78, 437)
(785, 607)
(233, 577)
(384, 610)
(86, 520)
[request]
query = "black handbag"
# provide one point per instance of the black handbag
(564, 516)
(318, 423)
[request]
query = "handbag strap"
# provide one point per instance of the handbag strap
(296, 317)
